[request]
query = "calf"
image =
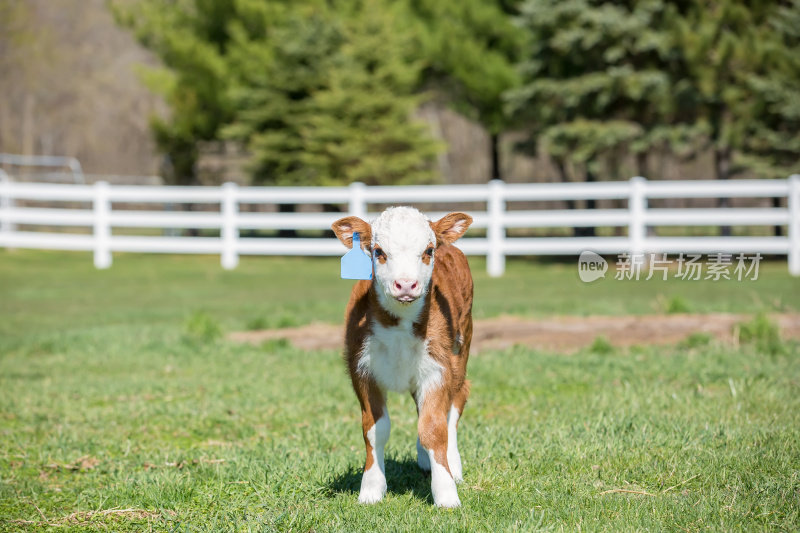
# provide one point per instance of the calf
(409, 329)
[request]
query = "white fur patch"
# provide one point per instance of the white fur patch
(373, 482)
(398, 360)
(373, 486)
(403, 233)
(443, 486)
(453, 457)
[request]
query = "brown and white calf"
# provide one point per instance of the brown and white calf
(409, 329)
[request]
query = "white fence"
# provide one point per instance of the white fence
(99, 214)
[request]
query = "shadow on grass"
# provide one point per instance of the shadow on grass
(401, 477)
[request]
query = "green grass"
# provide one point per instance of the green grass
(38, 290)
(118, 391)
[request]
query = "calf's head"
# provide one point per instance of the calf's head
(402, 242)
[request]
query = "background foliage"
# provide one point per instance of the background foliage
(325, 92)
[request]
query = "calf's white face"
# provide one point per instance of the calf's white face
(402, 242)
(403, 248)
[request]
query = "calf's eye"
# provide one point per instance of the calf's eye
(429, 252)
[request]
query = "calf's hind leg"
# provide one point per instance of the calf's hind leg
(453, 416)
(459, 399)
(432, 429)
(423, 461)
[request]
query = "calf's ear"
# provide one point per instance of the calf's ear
(451, 227)
(345, 227)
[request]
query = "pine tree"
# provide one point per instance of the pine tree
(274, 95)
(715, 42)
(362, 128)
(744, 65)
(335, 103)
(742, 62)
(681, 76)
(191, 39)
(594, 84)
(469, 48)
(771, 147)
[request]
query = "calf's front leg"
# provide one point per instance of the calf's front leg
(376, 428)
(432, 428)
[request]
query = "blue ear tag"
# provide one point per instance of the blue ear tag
(355, 263)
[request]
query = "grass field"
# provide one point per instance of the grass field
(123, 408)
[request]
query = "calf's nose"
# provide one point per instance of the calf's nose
(405, 286)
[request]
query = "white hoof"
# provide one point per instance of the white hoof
(448, 501)
(373, 486)
(443, 487)
(370, 496)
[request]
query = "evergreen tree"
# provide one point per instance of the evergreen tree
(716, 46)
(469, 48)
(335, 104)
(280, 76)
(771, 146)
(320, 94)
(363, 128)
(742, 61)
(191, 38)
(742, 64)
(595, 86)
(683, 76)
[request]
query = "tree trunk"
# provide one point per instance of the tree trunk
(722, 168)
(186, 174)
(778, 230)
(494, 139)
(590, 204)
(190, 232)
(28, 125)
(287, 233)
(641, 164)
(643, 171)
(562, 173)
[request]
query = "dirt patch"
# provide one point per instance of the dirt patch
(560, 334)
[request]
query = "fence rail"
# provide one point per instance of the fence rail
(99, 216)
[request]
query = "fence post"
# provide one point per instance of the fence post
(6, 205)
(794, 224)
(496, 232)
(357, 206)
(229, 232)
(102, 225)
(637, 204)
